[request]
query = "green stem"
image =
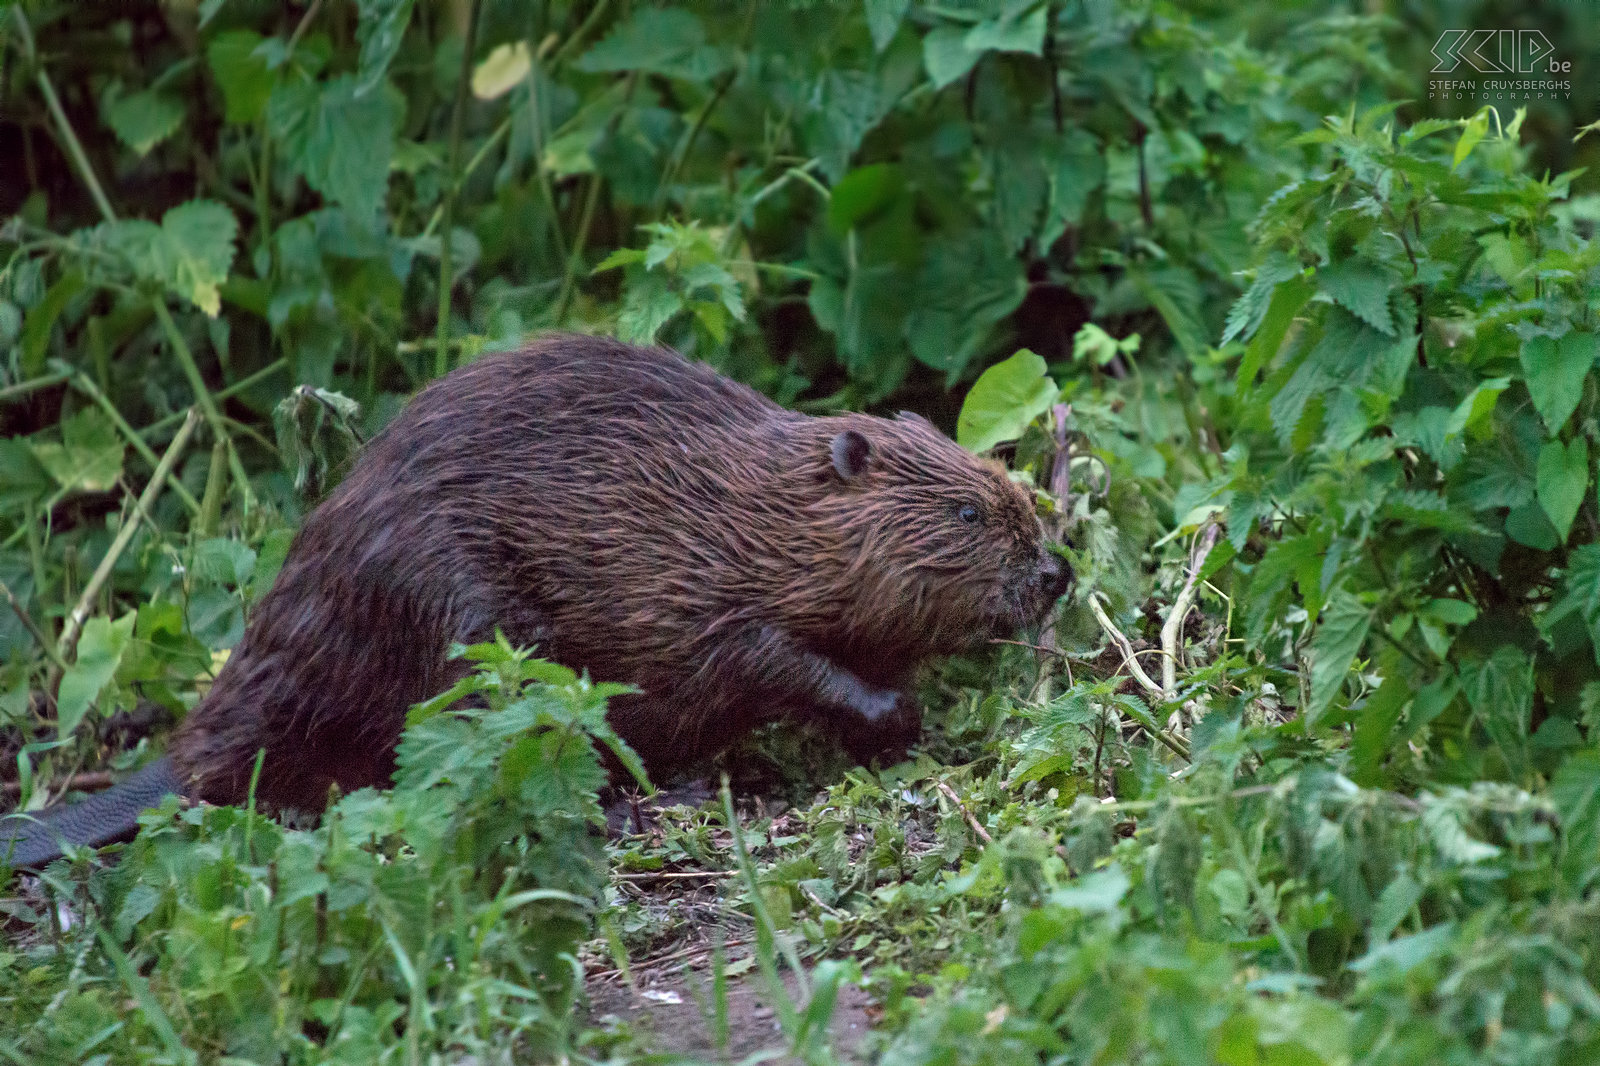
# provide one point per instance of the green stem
(69, 137)
(569, 280)
(281, 363)
(22, 388)
(83, 384)
(441, 357)
(472, 164)
(202, 396)
(147, 499)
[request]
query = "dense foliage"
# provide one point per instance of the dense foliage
(1308, 384)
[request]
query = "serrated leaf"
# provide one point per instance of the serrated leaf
(100, 649)
(1339, 637)
(668, 41)
(1471, 415)
(144, 119)
(1004, 400)
(1248, 311)
(244, 77)
(197, 250)
(649, 304)
(1361, 287)
(340, 141)
(380, 28)
(1582, 583)
(1287, 300)
(89, 456)
(1563, 481)
(1472, 131)
(1555, 372)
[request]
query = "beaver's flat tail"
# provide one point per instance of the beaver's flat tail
(31, 840)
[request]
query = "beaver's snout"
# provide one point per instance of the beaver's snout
(1055, 576)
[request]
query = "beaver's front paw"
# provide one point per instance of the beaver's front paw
(886, 735)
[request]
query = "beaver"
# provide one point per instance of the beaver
(629, 513)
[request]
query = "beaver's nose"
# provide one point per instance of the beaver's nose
(1055, 574)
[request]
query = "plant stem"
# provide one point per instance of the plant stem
(69, 137)
(569, 280)
(441, 355)
(22, 388)
(202, 395)
(281, 363)
(74, 626)
(84, 384)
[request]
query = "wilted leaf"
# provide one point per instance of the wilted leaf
(502, 70)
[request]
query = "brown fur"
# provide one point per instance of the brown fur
(637, 516)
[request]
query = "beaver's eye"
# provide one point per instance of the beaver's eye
(968, 513)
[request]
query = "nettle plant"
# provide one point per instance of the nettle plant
(444, 914)
(1410, 453)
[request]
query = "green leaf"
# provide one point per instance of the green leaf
(144, 119)
(197, 251)
(1582, 593)
(1004, 400)
(883, 20)
(244, 77)
(1374, 725)
(42, 317)
(1555, 372)
(1563, 482)
(862, 193)
(1575, 792)
(1361, 287)
(1471, 415)
(1339, 637)
(668, 41)
(946, 56)
(1472, 131)
(89, 457)
(1017, 30)
(1287, 300)
(340, 141)
(100, 650)
(380, 28)
(969, 283)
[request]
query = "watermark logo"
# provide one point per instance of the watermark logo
(1467, 53)
(1497, 52)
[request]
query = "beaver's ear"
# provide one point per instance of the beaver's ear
(850, 454)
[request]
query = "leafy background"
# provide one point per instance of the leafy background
(1308, 383)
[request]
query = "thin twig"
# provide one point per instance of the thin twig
(85, 385)
(950, 793)
(89, 781)
(80, 613)
(1173, 626)
(676, 875)
(22, 388)
(1125, 646)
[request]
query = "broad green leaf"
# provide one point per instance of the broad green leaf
(42, 317)
(1362, 288)
(23, 479)
(144, 119)
(1575, 792)
(1472, 131)
(1287, 300)
(1471, 415)
(1375, 724)
(1247, 312)
(668, 41)
(946, 56)
(968, 284)
(1339, 637)
(89, 457)
(1004, 400)
(380, 27)
(339, 140)
(243, 75)
(1408, 952)
(1582, 583)
(1563, 482)
(502, 70)
(1018, 30)
(100, 650)
(1079, 169)
(1098, 892)
(649, 304)
(197, 251)
(863, 192)
(883, 20)
(1555, 372)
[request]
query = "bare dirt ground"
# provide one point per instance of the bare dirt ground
(672, 1013)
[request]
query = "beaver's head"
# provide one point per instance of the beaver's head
(936, 538)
